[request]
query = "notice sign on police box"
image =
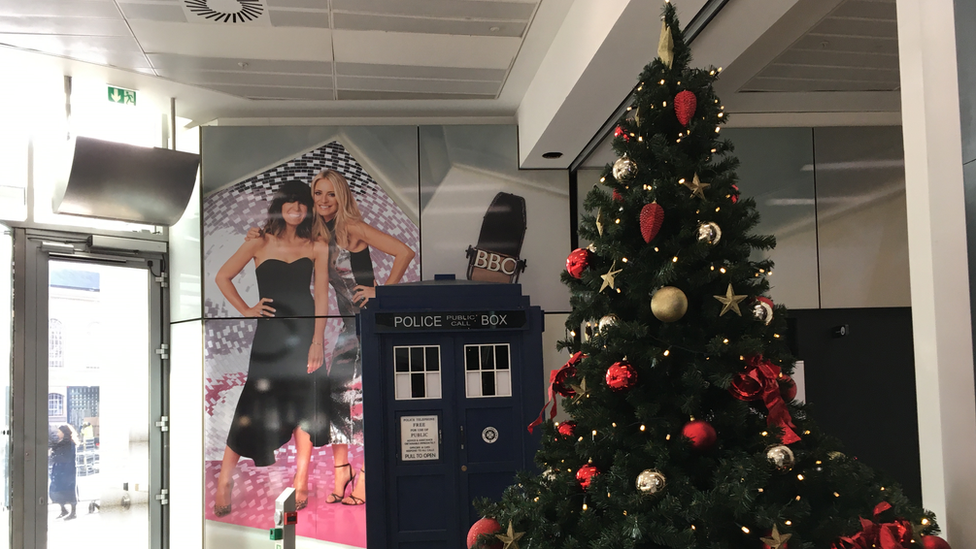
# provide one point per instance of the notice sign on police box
(419, 438)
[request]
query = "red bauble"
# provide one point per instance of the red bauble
(585, 475)
(684, 106)
(566, 428)
(619, 132)
(560, 383)
(701, 434)
(651, 219)
(934, 542)
(577, 262)
(787, 388)
(735, 195)
(621, 375)
(484, 526)
(617, 196)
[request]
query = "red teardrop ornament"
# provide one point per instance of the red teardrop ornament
(684, 106)
(651, 218)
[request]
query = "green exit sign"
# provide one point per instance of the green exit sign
(121, 95)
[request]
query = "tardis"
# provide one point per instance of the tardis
(452, 375)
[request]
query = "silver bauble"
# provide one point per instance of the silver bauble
(624, 169)
(762, 311)
(781, 457)
(549, 475)
(709, 233)
(608, 321)
(650, 481)
(669, 304)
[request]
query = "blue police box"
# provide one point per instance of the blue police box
(452, 375)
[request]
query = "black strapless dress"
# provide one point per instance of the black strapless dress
(279, 393)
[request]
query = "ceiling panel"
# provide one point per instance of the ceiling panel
(275, 92)
(314, 19)
(154, 12)
(209, 78)
(234, 41)
(846, 74)
(864, 28)
(395, 48)
(839, 59)
(112, 51)
(856, 44)
(403, 71)
(173, 62)
(359, 95)
(417, 85)
(47, 24)
(448, 9)
(867, 9)
(358, 21)
(770, 84)
(61, 8)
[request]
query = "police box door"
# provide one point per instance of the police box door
(456, 422)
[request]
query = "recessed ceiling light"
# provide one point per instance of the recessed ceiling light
(552, 154)
(495, 29)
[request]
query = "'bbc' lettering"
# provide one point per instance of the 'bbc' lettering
(493, 320)
(496, 263)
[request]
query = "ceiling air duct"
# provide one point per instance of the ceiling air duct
(128, 183)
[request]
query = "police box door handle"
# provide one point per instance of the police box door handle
(462, 437)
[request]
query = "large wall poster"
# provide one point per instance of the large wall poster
(326, 404)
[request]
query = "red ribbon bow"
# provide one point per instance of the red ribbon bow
(761, 381)
(557, 384)
(890, 535)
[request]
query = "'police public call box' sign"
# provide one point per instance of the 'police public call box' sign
(454, 376)
(463, 320)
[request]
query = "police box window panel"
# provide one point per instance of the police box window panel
(487, 372)
(417, 372)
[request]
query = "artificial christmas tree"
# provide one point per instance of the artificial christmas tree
(684, 432)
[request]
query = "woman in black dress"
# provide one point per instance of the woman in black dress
(277, 401)
(63, 476)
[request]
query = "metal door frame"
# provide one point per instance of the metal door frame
(28, 468)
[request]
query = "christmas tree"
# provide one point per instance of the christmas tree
(684, 431)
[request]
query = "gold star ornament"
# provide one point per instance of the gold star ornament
(510, 538)
(665, 46)
(730, 302)
(775, 540)
(696, 187)
(580, 390)
(608, 278)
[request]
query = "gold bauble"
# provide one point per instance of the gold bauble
(650, 481)
(669, 304)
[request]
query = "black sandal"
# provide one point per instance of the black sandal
(355, 500)
(337, 498)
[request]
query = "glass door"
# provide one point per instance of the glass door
(89, 427)
(98, 403)
(6, 347)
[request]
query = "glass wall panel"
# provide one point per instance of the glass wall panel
(776, 169)
(186, 433)
(186, 293)
(862, 216)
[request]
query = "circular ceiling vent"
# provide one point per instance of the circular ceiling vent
(226, 11)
